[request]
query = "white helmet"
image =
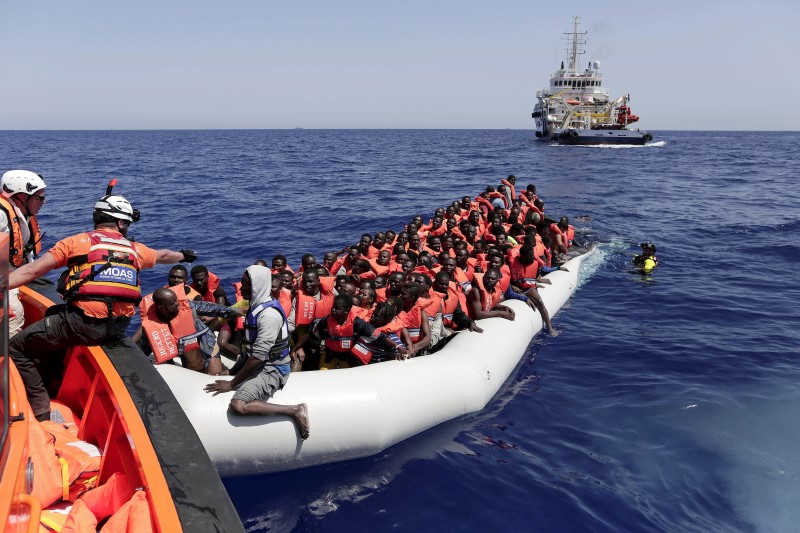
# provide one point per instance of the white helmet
(21, 181)
(117, 207)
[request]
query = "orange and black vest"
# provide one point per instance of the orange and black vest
(18, 249)
(108, 272)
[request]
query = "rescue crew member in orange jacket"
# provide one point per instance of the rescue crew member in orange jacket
(22, 197)
(101, 291)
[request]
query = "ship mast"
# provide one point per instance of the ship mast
(575, 44)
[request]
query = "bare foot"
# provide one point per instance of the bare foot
(553, 332)
(301, 419)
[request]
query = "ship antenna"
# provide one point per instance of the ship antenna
(575, 45)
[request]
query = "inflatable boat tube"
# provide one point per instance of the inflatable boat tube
(358, 412)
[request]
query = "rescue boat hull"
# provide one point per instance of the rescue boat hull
(600, 137)
(361, 411)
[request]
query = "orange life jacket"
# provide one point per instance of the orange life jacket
(366, 349)
(524, 276)
(307, 309)
(488, 299)
(237, 289)
(454, 296)
(17, 248)
(340, 336)
(213, 284)
(165, 336)
(98, 504)
(110, 270)
(64, 467)
(412, 320)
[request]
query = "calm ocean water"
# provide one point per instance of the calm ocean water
(667, 403)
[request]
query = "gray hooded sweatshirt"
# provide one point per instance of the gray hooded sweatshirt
(270, 323)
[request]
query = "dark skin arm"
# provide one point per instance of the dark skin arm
(225, 385)
(498, 311)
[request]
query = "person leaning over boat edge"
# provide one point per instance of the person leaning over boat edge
(266, 349)
(23, 195)
(102, 286)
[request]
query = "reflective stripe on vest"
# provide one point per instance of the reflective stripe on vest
(279, 353)
(169, 340)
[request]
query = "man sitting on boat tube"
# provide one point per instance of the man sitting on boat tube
(266, 349)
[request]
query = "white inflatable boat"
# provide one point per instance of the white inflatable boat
(359, 412)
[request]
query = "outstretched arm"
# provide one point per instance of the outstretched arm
(31, 271)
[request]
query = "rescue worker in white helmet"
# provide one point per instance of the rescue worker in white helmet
(21, 197)
(101, 290)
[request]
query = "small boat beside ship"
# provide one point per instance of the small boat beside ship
(576, 107)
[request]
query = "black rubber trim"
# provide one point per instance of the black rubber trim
(200, 497)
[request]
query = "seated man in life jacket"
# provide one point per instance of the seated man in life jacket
(208, 285)
(525, 270)
(647, 261)
(485, 300)
(279, 264)
(453, 309)
(414, 318)
(171, 327)
(339, 331)
(312, 300)
(266, 349)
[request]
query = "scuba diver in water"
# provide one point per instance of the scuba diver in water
(647, 261)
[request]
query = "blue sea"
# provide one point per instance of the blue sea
(667, 403)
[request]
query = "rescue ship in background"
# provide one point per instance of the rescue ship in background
(118, 454)
(576, 108)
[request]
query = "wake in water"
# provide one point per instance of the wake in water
(657, 144)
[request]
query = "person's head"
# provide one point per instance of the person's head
(384, 257)
(114, 212)
(366, 240)
(409, 265)
(465, 202)
(437, 221)
(414, 241)
(439, 212)
(247, 286)
(390, 235)
(441, 283)
(353, 254)
(539, 204)
(563, 223)
(417, 221)
(512, 179)
(395, 282)
(276, 286)
(367, 297)
(474, 217)
(328, 259)
(401, 258)
(450, 212)
(166, 302)
(648, 249)
(383, 313)
(361, 266)
(451, 224)
(342, 304)
(462, 257)
(308, 261)
(348, 287)
(449, 265)
(410, 293)
(278, 263)
(435, 243)
(25, 189)
(341, 279)
(502, 238)
(379, 241)
(531, 189)
(380, 282)
(490, 278)
(479, 246)
(495, 259)
(367, 284)
(286, 280)
(310, 283)
(260, 262)
(471, 234)
(526, 255)
(200, 278)
(177, 276)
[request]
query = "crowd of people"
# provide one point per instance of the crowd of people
(392, 295)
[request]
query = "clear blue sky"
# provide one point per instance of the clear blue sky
(144, 64)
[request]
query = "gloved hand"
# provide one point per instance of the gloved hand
(189, 256)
